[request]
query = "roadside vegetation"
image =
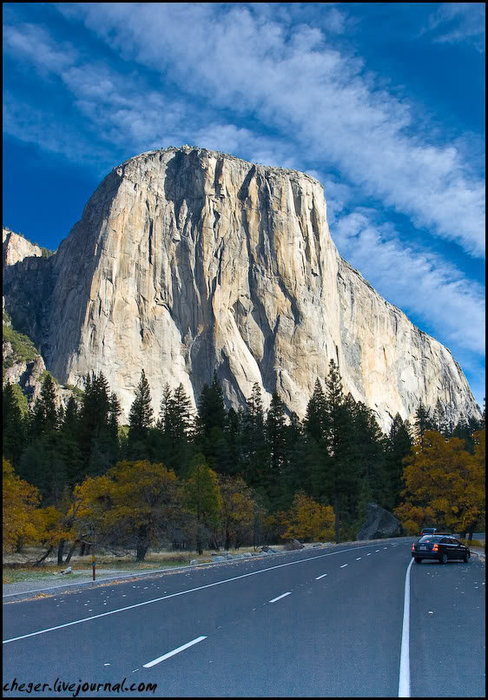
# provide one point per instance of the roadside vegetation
(77, 482)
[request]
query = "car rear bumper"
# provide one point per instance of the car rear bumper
(426, 555)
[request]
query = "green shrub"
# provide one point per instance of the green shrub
(23, 349)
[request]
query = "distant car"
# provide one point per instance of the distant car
(428, 531)
(440, 547)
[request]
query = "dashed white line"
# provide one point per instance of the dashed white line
(368, 554)
(358, 558)
(172, 653)
(321, 576)
(172, 595)
(343, 565)
(280, 597)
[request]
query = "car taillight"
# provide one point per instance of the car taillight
(435, 548)
(413, 546)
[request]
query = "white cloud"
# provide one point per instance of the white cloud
(454, 23)
(33, 43)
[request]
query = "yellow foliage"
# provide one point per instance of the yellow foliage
(130, 496)
(444, 483)
(20, 500)
(51, 526)
(309, 520)
(239, 509)
(413, 518)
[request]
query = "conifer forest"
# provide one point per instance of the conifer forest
(217, 478)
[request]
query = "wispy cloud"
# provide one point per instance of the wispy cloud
(454, 23)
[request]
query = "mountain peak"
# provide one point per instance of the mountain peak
(188, 262)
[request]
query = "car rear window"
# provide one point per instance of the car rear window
(430, 538)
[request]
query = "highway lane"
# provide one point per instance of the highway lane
(315, 622)
(447, 650)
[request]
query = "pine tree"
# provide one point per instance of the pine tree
(140, 420)
(41, 463)
(13, 426)
(399, 444)
(440, 421)
(368, 448)
(315, 416)
(422, 422)
(256, 458)
(338, 431)
(210, 425)
(301, 461)
(277, 437)
(96, 430)
(114, 411)
(45, 412)
(232, 463)
(316, 460)
(69, 447)
(174, 429)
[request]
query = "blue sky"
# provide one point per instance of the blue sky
(382, 102)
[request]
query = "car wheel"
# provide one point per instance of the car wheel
(417, 560)
(443, 558)
(466, 556)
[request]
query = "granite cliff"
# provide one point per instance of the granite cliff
(15, 247)
(188, 260)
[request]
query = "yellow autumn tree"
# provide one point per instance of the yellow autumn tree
(52, 530)
(444, 484)
(308, 520)
(93, 501)
(136, 503)
(20, 500)
(239, 511)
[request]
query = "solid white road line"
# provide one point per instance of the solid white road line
(172, 653)
(174, 595)
(404, 678)
(280, 597)
(322, 576)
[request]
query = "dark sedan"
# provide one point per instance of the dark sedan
(440, 547)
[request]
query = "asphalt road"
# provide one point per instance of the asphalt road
(314, 623)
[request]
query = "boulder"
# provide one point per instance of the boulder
(293, 544)
(379, 523)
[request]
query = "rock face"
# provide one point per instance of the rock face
(188, 261)
(379, 524)
(15, 248)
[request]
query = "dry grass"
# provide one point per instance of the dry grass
(19, 567)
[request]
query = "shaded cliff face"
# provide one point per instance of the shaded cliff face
(188, 260)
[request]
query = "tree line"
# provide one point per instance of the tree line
(215, 476)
